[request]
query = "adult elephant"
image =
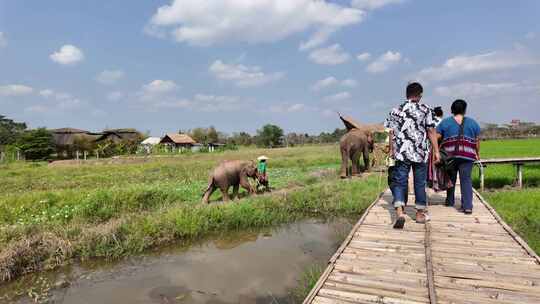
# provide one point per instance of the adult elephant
(352, 144)
(233, 173)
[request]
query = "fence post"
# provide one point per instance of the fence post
(97, 154)
(18, 155)
(77, 155)
(84, 153)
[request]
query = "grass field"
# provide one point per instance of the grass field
(498, 176)
(51, 215)
(521, 210)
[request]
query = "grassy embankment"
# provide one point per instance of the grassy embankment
(519, 208)
(52, 215)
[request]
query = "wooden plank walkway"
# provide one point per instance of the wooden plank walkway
(455, 258)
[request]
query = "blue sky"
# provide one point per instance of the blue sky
(161, 66)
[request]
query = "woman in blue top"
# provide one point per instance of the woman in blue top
(460, 140)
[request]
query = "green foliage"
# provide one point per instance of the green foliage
(36, 144)
(242, 139)
(10, 131)
(270, 136)
(307, 281)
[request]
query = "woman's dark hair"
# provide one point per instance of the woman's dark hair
(414, 89)
(459, 107)
(438, 111)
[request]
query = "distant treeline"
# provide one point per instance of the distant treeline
(510, 131)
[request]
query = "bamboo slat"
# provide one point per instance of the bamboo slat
(455, 258)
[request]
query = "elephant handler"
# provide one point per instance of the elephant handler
(413, 128)
(263, 177)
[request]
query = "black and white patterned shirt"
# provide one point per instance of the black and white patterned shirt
(410, 122)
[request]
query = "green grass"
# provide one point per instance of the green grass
(53, 215)
(521, 210)
(35, 193)
(510, 148)
(307, 281)
(498, 176)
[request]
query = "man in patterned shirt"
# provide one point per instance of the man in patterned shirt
(411, 124)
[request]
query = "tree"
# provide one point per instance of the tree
(199, 135)
(212, 135)
(270, 136)
(10, 131)
(242, 139)
(36, 144)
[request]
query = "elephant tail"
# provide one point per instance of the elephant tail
(210, 185)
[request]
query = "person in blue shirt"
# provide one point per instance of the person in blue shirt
(460, 140)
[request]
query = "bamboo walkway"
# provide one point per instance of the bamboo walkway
(455, 258)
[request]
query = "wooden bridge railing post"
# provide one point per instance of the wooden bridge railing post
(519, 170)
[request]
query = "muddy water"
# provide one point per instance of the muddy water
(247, 267)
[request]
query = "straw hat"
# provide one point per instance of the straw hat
(262, 158)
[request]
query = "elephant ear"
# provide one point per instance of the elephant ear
(350, 123)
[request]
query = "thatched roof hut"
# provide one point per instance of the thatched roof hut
(65, 137)
(178, 140)
(119, 135)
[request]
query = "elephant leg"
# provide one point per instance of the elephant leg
(235, 191)
(225, 192)
(207, 194)
(244, 182)
(366, 159)
(355, 164)
(344, 163)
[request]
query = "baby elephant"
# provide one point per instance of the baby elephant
(230, 173)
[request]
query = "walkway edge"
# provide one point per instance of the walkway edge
(508, 229)
(340, 250)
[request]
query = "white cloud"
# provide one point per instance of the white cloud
(288, 108)
(46, 93)
(349, 83)
(15, 90)
(479, 90)
(70, 104)
(331, 55)
(464, 65)
(317, 38)
(115, 96)
(216, 103)
(3, 40)
(203, 103)
(363, 56)
(530, 35)
(62, 96)
(332, 81)
(209, 22)
(242, 75)
(384, 62)
(324, 83)
(109, 77)
(372, 4)
(159, 86)
(67, 55)
(36, 109)
(338, 97)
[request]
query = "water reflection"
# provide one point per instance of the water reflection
(243, 267)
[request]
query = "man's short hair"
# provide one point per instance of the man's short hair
(414, 89)
(438, 111)
(459, 106)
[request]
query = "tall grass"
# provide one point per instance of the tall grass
(521, 210)
(50, 215)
